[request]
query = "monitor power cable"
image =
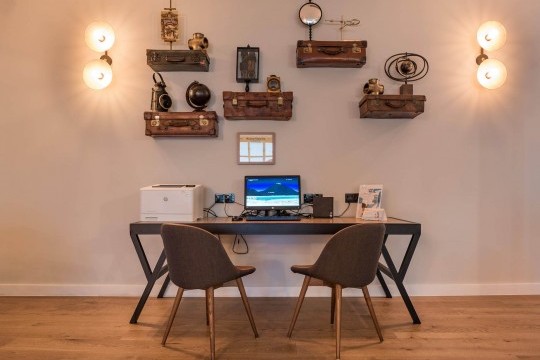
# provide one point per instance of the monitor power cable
(237, 239)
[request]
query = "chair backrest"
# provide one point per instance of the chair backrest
(196, 258)
(351, 256)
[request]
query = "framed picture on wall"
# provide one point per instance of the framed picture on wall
(247, 64)
(256, 148)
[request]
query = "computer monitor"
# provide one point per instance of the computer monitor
(274, 192)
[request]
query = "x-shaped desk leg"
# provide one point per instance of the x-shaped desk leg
(391, 271)
(151, 275)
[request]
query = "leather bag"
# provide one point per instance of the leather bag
(340, 54)
(177, 60)
(257, 105)
(187, 124)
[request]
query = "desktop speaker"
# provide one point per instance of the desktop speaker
(323, 207)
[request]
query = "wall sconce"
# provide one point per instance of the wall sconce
(491, 73)
(97, 74)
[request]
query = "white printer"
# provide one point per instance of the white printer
(172, 202)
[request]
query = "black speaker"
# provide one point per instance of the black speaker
(323, 207)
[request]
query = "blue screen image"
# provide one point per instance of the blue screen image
(268, 192)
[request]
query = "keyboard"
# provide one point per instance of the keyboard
(273, 218)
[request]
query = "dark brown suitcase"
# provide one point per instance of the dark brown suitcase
(257, 105)
(340, 54)
(177, 60)
(186, 124)
(391, 106)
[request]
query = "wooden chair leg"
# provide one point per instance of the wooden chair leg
(299, 304)
(173, 314)
(338, 320)
(242, 290)
(372, 312)
(210, 307)
(333, 305)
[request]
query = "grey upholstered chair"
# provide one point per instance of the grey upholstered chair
(349, 259)
(197, 260)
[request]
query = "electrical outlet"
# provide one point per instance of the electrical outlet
(229, 198)
(308, 198)
(351, 198)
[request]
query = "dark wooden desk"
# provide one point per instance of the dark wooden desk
(304, 227)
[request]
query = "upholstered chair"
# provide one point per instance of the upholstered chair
(197, 260)
(349, 259)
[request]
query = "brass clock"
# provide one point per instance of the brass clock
(273, 83)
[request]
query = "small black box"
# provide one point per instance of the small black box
(323, 207)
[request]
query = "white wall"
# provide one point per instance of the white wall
(73, 159)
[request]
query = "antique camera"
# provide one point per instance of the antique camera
(161, 101)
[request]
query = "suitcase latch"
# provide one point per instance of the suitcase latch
(308, 49)
(356, 49)
(235, 101)
(203, 121)
(155, 122)
(280, 100)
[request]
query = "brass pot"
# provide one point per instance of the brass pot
(373, 87)
(198, 42)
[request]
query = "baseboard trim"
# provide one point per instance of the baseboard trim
(231, 291)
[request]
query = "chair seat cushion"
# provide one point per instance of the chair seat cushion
(302, 269)
(244, 270)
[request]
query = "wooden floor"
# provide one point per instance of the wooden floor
(494, 327)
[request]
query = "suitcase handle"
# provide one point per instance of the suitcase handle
(395, 106)
(257, 103)
(184, 123)
(331, 50)
(176, 59)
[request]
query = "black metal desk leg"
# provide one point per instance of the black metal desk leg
(387, 292)
(164, 286)
(151, 281)
(398, 279)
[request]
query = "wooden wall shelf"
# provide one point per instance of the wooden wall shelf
(402, 106)
(336, 54)
(181, 124)
(257, 105)
(177, 60)
(391, 106)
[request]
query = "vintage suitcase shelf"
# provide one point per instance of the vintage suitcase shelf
(181, 124)
(177, 60)
(257, 105)
(338, 54)
(392, 106)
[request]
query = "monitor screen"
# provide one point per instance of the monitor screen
(272, 192)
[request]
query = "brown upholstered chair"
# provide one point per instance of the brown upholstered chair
(197, 260)
(349, 259)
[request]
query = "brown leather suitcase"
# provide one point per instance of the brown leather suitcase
(186, 124)
(392, 106)
(177, 60)
(257, 105)
(340, 54)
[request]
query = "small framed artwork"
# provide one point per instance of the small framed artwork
(247, 64)
(256, 148)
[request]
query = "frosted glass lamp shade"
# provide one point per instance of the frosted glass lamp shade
(491, 35)
(99, 36)
(97, 74)
(491, 74)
